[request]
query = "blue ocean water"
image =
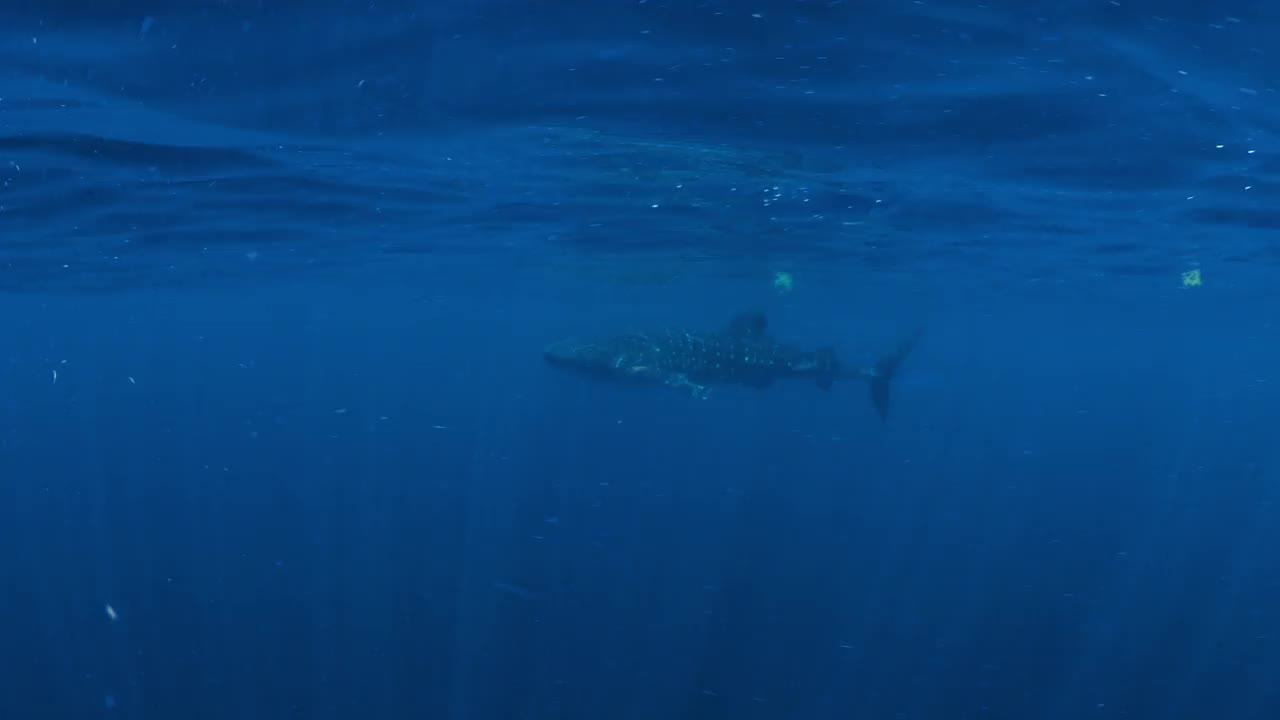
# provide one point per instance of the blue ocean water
(277, 439)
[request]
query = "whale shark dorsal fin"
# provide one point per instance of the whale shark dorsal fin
(752, 323)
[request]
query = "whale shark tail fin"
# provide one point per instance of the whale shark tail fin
(881, 376)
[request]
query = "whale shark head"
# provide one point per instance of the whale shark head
(572, 354)
(614, 359)
(580, 356)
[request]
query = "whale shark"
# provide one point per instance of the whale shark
(742, 353)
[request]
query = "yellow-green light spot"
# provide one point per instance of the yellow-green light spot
(783, 282)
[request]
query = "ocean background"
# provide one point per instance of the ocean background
(277, 439)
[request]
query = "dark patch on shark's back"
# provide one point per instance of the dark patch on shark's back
(751, 324)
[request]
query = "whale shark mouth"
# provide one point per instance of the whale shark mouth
(599, 360)
(581, 356)
(568, 352)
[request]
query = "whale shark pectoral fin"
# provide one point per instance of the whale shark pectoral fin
(752, 323)
(682, 381)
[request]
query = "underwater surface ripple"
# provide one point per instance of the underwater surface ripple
(236, 140)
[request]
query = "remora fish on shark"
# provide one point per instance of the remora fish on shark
(744, 353)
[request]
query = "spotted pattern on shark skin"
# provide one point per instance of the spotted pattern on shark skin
(742, 354)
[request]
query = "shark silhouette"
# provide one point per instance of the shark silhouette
(744, 353)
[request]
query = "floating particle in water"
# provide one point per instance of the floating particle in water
(783, 282)
(112, 614)
(1191, 278)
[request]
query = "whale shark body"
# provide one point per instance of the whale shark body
(743, 353)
